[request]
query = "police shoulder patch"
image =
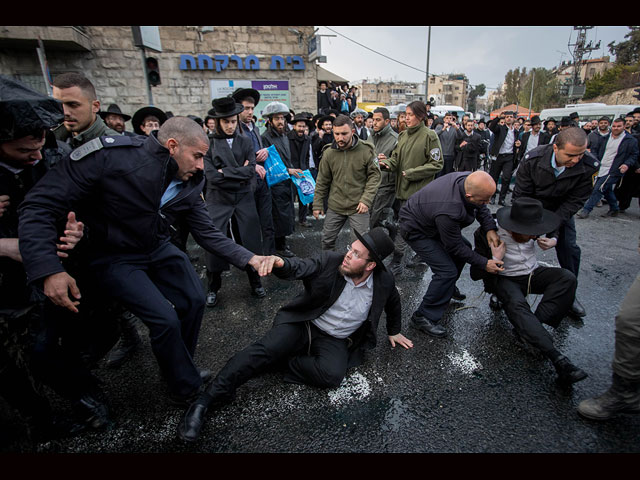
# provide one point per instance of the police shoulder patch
(85, 149)
(102, 142)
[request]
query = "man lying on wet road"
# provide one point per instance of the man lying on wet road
(323, 331)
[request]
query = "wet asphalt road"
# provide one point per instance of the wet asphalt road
(477, 390)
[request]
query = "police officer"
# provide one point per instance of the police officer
(122, 183)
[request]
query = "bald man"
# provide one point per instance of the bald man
(431, 222)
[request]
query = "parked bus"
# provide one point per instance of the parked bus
(442, 110)
(588, 111)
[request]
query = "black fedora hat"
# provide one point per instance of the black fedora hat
(324, 118)
(114, 109)
(241, 93)
(145, 112)
(528, 217)
(300, 117)
(225, 107)
(379, 244)
(535, 120)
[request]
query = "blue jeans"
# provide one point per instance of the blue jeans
(603, 188)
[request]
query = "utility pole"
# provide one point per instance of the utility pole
(581, 47)
(426, 83)
(533, 80)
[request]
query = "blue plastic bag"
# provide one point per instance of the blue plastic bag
(306, 186)
(275, 167)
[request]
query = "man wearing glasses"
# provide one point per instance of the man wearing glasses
(323, 331)
(559, 175)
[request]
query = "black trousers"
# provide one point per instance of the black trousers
(263, 200)
(163, 290)
(558, 288)
(309, 355)
(502, 164)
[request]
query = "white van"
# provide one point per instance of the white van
(442, 110)
(587, 111)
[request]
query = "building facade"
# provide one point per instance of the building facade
(450, 89)
(195, 64)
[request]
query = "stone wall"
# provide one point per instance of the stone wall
(115, 65)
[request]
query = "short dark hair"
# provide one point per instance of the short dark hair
(572, 135)
(419, 109)
(619, 119)
(342, 120)
(74, 79)
(383, 111)
(247, 98)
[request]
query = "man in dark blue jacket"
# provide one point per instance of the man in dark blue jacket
(618, 153)
(120, 185)
(431, 222)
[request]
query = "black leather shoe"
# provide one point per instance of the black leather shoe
(212, 299)
(285, 253)
(577, 310)
(427, 326)
(457, 295)
(191, 422)
(258, 291)
(568, 372)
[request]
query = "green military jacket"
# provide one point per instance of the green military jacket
(347, 177)
(419, 155)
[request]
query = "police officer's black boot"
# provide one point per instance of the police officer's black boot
(623, 396)
(396, 264)
(129, 341)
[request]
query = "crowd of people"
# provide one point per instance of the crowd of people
(95, 220)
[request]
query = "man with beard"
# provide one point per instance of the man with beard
(348, 177)
(115, 119)
(504, 148)
(358, 116)
(324, 331)
(81, 106)
(533, 138)
(283, 210)
(230, 172)
(384, 140)
(301, 157)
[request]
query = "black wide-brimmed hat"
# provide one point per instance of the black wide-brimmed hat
(225, 107)
(302, 118)
(114, 109)
(145, 112)
(324, 118)
(379, 244)
(528, 217)
(242, 93)
(535, 120)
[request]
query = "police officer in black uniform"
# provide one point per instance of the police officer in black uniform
(559, 175)
(122, 183)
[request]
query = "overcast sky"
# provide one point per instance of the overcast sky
(484, 54)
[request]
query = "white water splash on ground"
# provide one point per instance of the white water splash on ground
(464, 362)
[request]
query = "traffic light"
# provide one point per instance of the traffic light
(153, 71)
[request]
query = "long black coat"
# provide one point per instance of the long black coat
(281, 193)
(323, 284)
(229, 192)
